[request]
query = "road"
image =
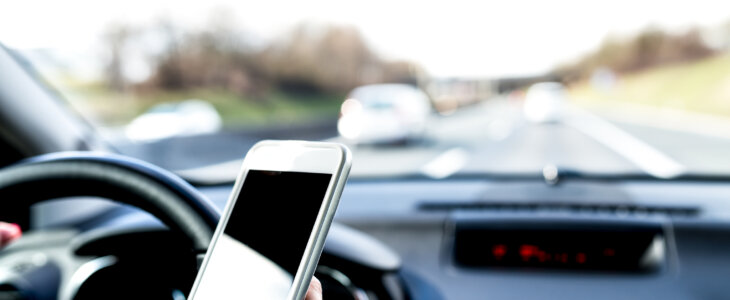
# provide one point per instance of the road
(493, 137)
(486, 138)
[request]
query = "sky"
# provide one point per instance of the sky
(452, 38)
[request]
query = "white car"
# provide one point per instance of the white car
(189, 117)
(384, 113)
(544, 102)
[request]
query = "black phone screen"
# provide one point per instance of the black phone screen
(261, 247)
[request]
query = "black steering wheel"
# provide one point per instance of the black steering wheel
(47, 264)
(105, 262)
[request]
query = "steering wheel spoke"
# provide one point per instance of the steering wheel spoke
(76, 265)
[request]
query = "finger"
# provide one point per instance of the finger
(315, 290)
(9, 232)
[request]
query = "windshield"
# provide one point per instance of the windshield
(435, 89)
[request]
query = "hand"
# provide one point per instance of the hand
(10, 232)
(315, 290)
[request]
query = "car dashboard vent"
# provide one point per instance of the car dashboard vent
(579, 208)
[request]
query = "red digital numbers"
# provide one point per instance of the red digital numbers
(528, 251)
(532, 253)
(499, 251)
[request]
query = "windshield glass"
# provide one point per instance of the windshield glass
(433, 89)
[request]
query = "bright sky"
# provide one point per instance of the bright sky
(449, 38)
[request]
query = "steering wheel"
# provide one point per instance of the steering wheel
(48, 264)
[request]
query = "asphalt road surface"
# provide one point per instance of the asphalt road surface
(493, 137)
(487, 138)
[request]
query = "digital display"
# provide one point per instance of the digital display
(626, 249)
(264, 240)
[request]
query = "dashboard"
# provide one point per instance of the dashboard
(520, 238)
(524, 239)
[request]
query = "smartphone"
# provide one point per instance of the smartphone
(272, 231)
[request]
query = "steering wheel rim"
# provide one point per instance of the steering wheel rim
(127, 180)
(122, 179)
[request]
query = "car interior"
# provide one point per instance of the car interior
(101, 221)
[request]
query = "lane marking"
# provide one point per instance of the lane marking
(446, 164)
(644, 156)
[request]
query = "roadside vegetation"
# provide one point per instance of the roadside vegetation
(699, 86)
(113, 109)
(684, 71)
(301, 76)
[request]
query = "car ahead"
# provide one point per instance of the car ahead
(544, 102)
(166, 120)
(384, 113)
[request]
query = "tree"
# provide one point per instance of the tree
(116, 39)
(650, 48)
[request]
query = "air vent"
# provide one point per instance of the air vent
(581, 208)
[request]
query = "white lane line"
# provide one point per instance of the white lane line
(446, 164)
(638, 152)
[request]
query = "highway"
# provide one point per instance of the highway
(494, 138)
(491, 138)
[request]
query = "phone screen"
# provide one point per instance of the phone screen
(261, 247)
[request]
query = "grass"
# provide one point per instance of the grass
(701, 86)
(277, 107)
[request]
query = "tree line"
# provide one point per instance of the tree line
(310, 58)
(649, 48)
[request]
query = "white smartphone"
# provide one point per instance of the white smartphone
(271, 234)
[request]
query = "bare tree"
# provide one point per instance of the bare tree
(116, 39)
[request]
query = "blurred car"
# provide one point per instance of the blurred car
(383, 113)
(544, 102)
(189, 117)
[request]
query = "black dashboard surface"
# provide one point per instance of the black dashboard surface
(694, 216)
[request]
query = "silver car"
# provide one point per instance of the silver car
(384, 113)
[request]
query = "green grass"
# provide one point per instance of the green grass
(276, 107)
(700, 86)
